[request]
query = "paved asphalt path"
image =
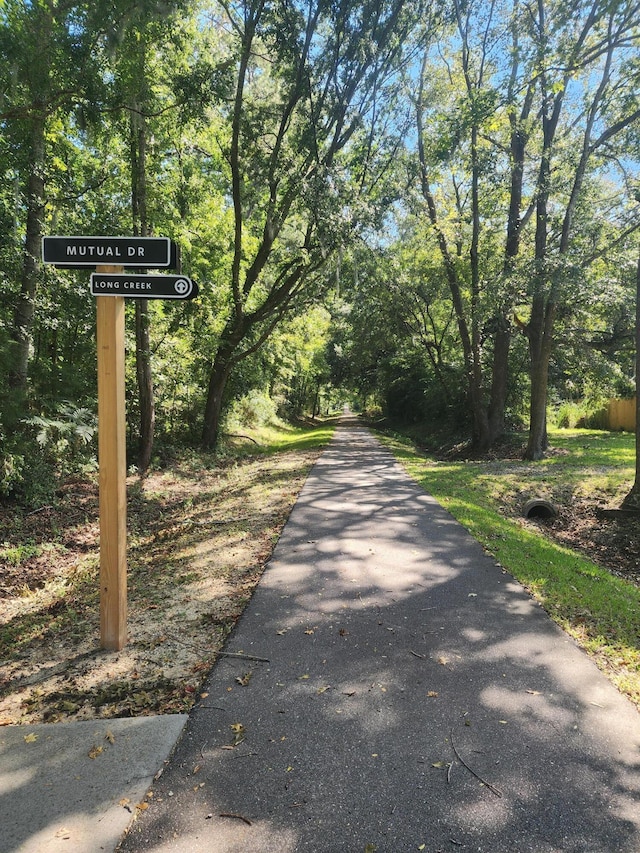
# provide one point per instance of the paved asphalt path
(406, 695)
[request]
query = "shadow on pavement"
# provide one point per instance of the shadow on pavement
(412, 697)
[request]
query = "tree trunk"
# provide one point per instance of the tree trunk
(540, 334)
(632, 500)
(213, 409)
(24, 310)
(145, 385)
(146, 399)
(499, 380)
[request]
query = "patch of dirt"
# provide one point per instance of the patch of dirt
(613, 543)
(198, 541)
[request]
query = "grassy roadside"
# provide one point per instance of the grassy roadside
(599, 609)
(200, 531)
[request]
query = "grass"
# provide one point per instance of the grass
(601, 611)
(281, 437)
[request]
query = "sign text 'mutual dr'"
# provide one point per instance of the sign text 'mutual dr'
(95, 251)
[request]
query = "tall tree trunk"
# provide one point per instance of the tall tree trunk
(540, 334)
(146, 398)
(24, 310)
(539, 330)
(215, 394)
(632, 500)
(499, 380)
(145, 385)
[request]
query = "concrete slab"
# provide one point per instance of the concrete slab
(55, 798)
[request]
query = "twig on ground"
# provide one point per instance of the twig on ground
(491, 787)
(242, 655)
(224, 520)
(40, 509)
(239, 435)
(237, 816)
(213, 652)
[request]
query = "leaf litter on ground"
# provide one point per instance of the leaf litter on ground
(199, 536)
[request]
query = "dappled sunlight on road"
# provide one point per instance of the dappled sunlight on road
(398, 689)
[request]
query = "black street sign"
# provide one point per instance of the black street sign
(143, 286)
(118, 251)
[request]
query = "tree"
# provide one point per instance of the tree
(543, 124)
(142, 86)
(309, 91)
(469, 143)
(632, 499)
(48, 66)
(603, 46)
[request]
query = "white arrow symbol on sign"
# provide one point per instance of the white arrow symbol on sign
(182, 286)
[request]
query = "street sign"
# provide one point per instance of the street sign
(93, 251)
(109, 256)
(136, 286)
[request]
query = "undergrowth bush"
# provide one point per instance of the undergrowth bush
(253, 410)
(583, 414)
(43, 450)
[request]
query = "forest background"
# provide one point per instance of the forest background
(427, 209)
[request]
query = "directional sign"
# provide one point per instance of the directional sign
(143, 286)
(119, 251)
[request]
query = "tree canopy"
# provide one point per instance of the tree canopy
(430, 208)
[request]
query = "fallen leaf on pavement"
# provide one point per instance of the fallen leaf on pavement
(238, 733)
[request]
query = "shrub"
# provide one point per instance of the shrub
(45, 449)
(253, 410)
(584, 414)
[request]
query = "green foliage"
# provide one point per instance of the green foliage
(253, 410)
(292, 185)
(581, 415)
(66, 436)
(44, 450)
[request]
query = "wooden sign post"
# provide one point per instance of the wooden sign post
(108, 256)
(113, 468)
